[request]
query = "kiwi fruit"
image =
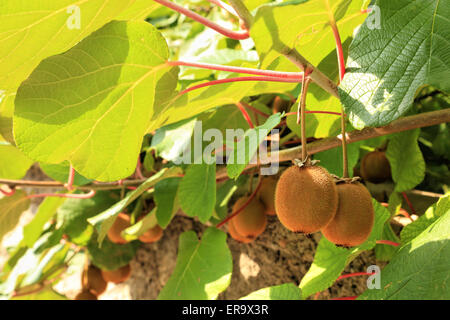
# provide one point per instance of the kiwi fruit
(280, 105)
(121, 223)
(354, 217)
(235, 235)
(85, 295)
(151, 235)
(375, 167)
(117, 276)
(92, 280)
(266, 194)
(252, 220)
(306, 198)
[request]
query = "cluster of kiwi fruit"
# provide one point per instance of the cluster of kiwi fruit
(94, 281)
(252, 221)
(308, 199)
(122, 222)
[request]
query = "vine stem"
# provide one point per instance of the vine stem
(250, 198)
(261, 113)
(242, 13)
(302, 118)
(341, 66)
(236, 79)
(71, 178)
(64, 195)
(245, 114)
(298, 76)
(236, 35)
(403, 124)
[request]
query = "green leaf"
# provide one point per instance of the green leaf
(287, 291)
(197, 191)
(103, 221)
(406, 160)
(301, 25)
(73, 214)
(170, 141)
(387, 65)
(224, 193)
(13, 163)
(139, 10)
(104, 101)
(330, 261)
(332, 159)
(203, 268)
(12, 208)
(47, 294)
(47, 209)
(420, 268)
(166, 200)
(6, 115)
(111, 256)
(60, 172)
(32, 31)
(245, 149)
(437, 210)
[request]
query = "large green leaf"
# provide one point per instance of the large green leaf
(99, 95)
(12, 208)
(197, 191)
(33, 30)
(420, 269)
(13, 163)
(330, 261)
(287, 291)
(104, 220)
(406, 160)
(387, 65)
(203, 268)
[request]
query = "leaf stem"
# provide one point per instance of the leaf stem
(64, 195)
(224, 6)
(242, 12)
(237, 35)
(388, 242)
(245, 114)
(302, 119)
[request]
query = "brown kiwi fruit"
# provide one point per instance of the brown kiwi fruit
(251, 221)
(121, 223)
(306, 198)
(235, 235)
(266, 194)
(151, 235)
(117, 276)
(354, 216)
(375, 167)
(85, 295)
(280, 105)
(92, 280)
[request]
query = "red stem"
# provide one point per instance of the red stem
(243, 206)
(139, 174)
(237, 35)
(64, 195)
(297, 76)
(409, 204)
(265, 115)
(245, 114)
(237, 79)
(349, 275)
(339, 50)
(388, 242)
(8, 193)
(324, 112)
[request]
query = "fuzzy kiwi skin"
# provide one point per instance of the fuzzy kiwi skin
(306, 198)
(121, 223)
(117, 276)
(354, 217)
(251, 221)
(93, 281)
(266, 195)
(151, 235)
(375, 167)
(235, 235)
(85, 295)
